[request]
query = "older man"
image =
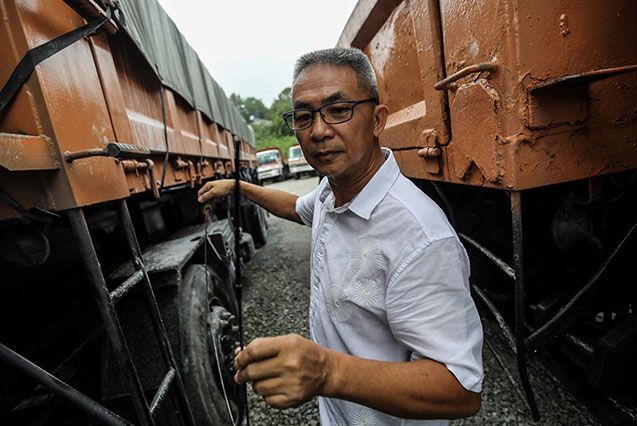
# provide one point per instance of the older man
(394, 330)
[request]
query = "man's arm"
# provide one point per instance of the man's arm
(289, 370)
(277, 202)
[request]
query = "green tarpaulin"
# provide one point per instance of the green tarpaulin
(178, 66)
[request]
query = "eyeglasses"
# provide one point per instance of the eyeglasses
(332, 113)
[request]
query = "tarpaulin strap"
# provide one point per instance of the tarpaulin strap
(163, 115)
(200, 142)
(38, 54)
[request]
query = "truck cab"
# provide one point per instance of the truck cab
(298, 163)
(272, 164)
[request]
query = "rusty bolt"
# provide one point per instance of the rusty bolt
(564, 29)
(429, 152)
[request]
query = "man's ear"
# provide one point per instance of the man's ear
(380, 119)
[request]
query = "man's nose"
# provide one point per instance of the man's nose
(320, 129)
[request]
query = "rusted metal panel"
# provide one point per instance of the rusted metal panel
(368, 16)
(71, 122)
(20, 152)
(186, 123)
(78, 122)
(539, 92)
(209, 137)
(112, 95)
(475, 143)
(405, 51)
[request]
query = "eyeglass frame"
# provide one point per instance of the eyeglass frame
(315, 110)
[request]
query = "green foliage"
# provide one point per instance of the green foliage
(250, 108)
(281, 105)
(269, 128)
(283, 143)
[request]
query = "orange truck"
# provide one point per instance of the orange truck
(519, 117)
(118, 302)
(273, 164)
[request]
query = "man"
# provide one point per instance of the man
(394, 330)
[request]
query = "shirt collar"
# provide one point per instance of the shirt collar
(365, 201)
(378, 186)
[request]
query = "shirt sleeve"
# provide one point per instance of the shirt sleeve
(305, 206)
(431, 312)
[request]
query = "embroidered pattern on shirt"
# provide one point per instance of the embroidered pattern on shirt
(365, 258)
(364, 418)
(365, 292)
(338, 307)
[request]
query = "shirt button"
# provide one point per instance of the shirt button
(321, 250)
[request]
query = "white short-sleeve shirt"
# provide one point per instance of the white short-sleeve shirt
(390, 282)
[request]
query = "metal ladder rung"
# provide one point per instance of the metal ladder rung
(126, 286)
(162, 391)
(106, 304)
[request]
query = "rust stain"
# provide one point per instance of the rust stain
(57, 111)
(561, 106)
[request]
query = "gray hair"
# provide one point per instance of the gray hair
(346, 57)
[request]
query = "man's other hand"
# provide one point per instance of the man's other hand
(215, 190)
(285, 370)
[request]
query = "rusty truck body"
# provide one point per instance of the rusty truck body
(520, 118)
(118, 301)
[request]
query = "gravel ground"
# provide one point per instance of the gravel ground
(276, 301)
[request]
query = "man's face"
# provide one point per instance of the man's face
(340, 151)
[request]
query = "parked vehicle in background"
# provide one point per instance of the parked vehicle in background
(272, 164)
(298, 163)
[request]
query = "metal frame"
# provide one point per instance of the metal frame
(70, 394)
(518, 264)
(106, 305)
(558, 323)
(515, 338)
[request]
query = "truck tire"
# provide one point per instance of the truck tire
(205, 322)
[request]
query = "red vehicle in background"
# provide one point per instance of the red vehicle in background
(272, 164)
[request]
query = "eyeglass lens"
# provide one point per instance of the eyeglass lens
(332, 114)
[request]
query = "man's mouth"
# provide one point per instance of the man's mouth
(325, 155)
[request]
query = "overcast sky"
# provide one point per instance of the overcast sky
(250, 46)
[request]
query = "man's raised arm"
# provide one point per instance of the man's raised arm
(277, 202)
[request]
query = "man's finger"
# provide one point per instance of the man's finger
(258, 349)
(281, 401)
(259, 370)
(267, 387)
(209, 196)
(205, 188)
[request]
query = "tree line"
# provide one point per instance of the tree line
(269, 128)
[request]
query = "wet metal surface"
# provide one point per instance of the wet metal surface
(526, 128)
(584, 78)
(112, 96)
